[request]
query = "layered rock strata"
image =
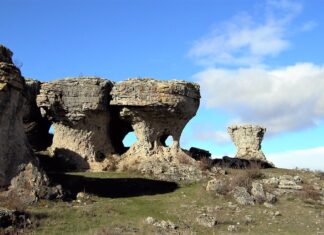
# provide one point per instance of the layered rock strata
(16, 156)
(247, 139)
(155, 110)
(79, 111)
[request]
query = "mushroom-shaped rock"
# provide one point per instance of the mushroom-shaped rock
(78, 108)
(155, 109)
(16, 156)
(247, 139)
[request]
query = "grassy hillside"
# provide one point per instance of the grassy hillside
(120, 203)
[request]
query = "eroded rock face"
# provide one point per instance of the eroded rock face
(247, 139)
(36, 127)
(155, 110)
(16, 157)
(79, 110)
(14, 148)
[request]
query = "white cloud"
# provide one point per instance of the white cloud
(218, 137)
(307, 158)
(282, 99)
(248, 40)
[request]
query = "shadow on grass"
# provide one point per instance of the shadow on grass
(111, 187)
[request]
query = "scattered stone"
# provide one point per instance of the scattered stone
(206, 220)
(81, 196)
(274, 181)
(150, 220)
(268, 205)
(218, 170)
(277, 213)
(216, 185)
(232, 228)
(258, 192)
(242, 196)
(289, 184)
(248, 219)
(247, 139)
(167, 225)
(270, 198)
(298, 179)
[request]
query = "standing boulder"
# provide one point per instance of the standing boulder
(247, 139)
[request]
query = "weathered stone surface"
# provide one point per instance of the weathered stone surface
(17, 162)
(36, 127)
(216, 185)
(247, 139)
(155, 110)
(14, 148)
(242, 196)
(206, 220)
(289, 184)
(78, 107)
(258, 192)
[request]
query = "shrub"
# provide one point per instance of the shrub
(205, 163)
(246, 177)
(308, 193)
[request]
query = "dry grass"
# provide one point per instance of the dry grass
(309, 194)
(245, 178)
(12, 201)
(205, 163)
(183, 159)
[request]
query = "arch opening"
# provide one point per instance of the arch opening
(166, 140)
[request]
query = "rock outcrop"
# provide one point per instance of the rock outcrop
(16, 157)
(247, 139)
(14, 148)
(155, 110)
(79, 111)
(36, 126)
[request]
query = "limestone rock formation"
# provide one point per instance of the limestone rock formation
(36, 127)
(155, 110)
(79, 110)
(14, 149)
(247, 139)
(16, 156)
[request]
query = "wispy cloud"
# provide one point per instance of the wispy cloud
(246, 39)
(218, 137)
(283, 99)
(306, 158)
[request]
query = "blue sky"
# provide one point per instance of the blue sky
(256, 61)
